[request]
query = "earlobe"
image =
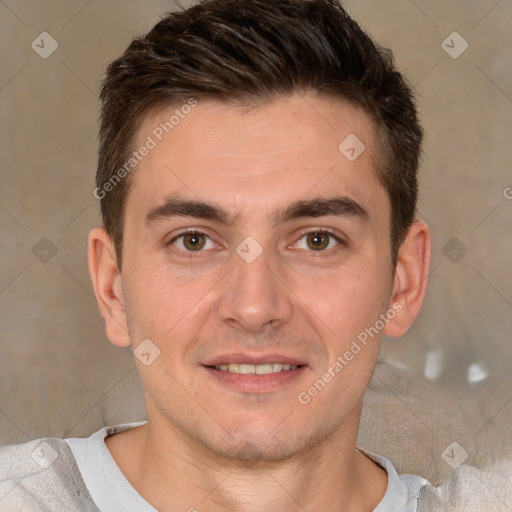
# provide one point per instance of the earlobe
(106, 281)
(410, 282)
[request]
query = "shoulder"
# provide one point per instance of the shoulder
(32, 457)
(41, 475)
(471, 488)
(404, 492)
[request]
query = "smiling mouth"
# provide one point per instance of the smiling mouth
(255, 369)
(272, 373)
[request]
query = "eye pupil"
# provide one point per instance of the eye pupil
(318, 240)
(194, 241)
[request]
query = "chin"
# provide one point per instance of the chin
(252, 451)
(258, 442)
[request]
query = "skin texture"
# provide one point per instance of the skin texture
(293, 299)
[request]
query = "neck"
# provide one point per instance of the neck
(174, 473)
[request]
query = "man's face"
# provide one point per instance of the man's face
(274, 286)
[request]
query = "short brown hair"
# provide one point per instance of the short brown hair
(252, 51)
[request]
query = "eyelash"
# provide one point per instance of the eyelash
(327, 231)
(193, 254)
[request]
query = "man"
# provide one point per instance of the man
(258, 180)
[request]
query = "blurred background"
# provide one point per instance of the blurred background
(449, 381)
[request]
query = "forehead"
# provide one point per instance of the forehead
(290, 146)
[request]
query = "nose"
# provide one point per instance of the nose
(255, 296)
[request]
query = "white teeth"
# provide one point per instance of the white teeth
(263, 369)
(234, 368)
(246, 368)
(258, 369)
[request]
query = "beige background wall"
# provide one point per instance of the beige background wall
(59, 375)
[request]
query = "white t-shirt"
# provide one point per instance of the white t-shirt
(112, 492)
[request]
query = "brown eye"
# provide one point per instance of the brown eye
(318, 241)
(194, 241)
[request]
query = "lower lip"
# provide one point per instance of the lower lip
(254, 383)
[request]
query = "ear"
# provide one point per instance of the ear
(106, 280)
(410, 281)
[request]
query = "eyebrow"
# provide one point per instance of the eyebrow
(339, 206)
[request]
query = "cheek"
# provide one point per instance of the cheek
(345, 301)
(162, 302)
(347, 308)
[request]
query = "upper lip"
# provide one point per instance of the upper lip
(253, 359)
